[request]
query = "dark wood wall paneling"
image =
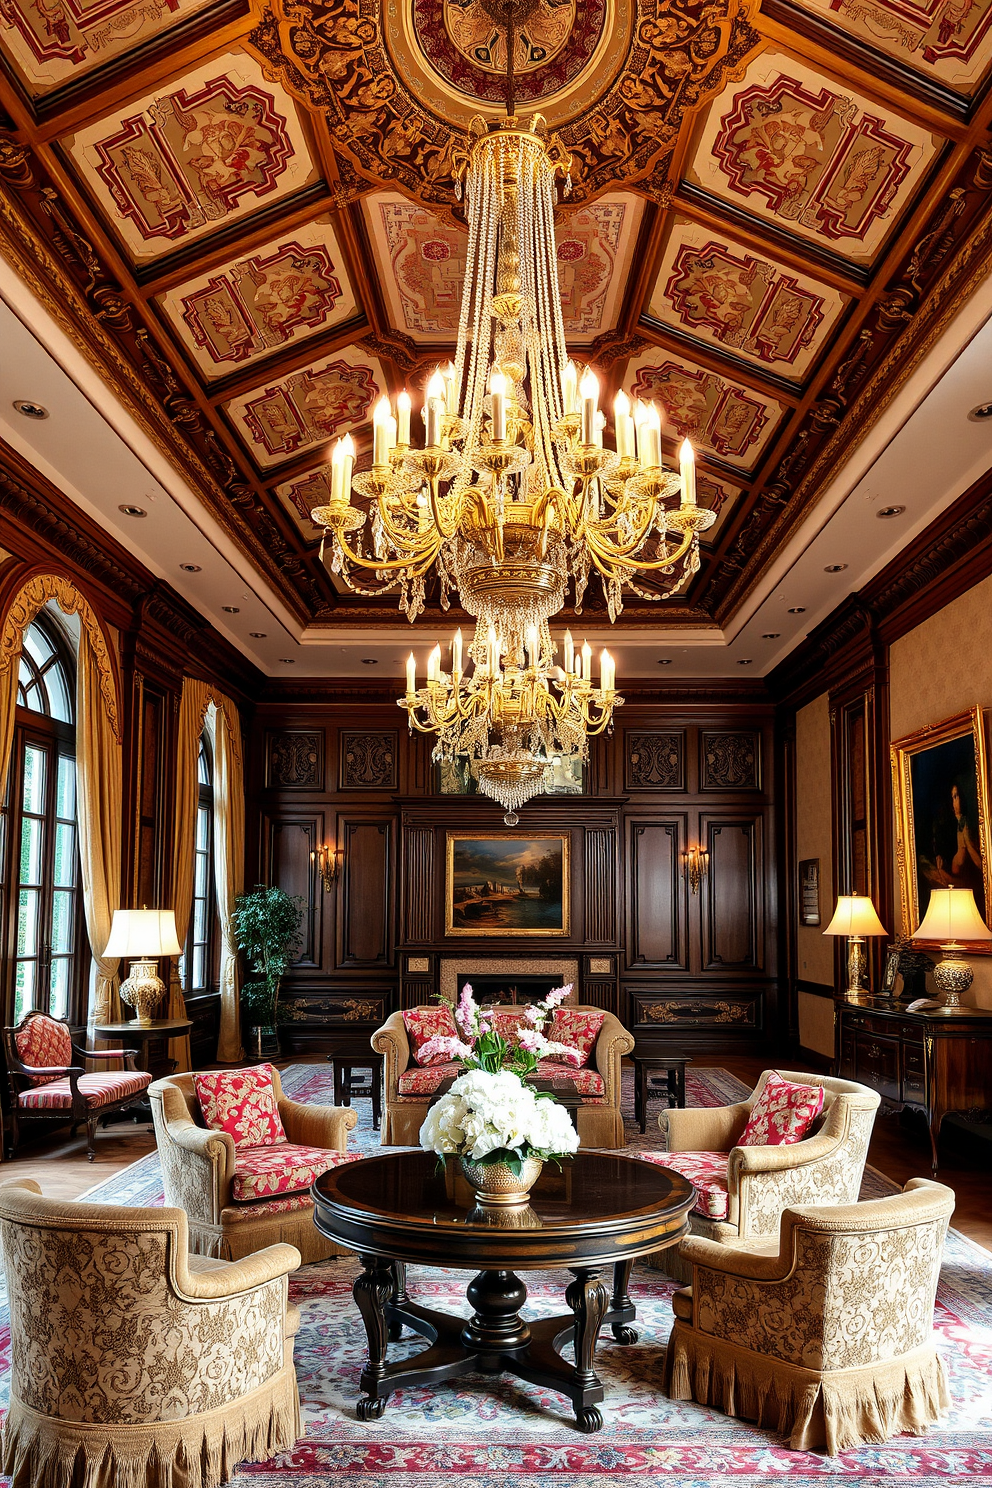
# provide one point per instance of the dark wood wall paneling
(688, 766)
(161, 639)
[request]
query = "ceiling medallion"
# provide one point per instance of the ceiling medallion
(465, 42)
(513, 496)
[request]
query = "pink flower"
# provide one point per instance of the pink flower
(467, 1013)
(530, 1039)
(534, 1013)
(487, 1017)
(446, 1047)
(558, 996)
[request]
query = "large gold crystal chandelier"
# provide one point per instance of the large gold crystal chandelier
(513, 497)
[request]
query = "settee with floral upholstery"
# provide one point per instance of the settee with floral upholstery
(240, 1158)
(598, 1038)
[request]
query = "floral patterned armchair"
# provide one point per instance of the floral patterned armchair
(742, 1191)
(409, 1087)
(241, 1195)
(830, 1340)
(133, 1362)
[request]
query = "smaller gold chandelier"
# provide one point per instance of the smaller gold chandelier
(515, 712)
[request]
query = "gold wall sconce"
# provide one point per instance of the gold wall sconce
(327, 861)
(694, 862)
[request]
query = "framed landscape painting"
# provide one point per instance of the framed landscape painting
(940, 791)
(506, 884)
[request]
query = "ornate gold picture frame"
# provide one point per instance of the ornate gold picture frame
(941, 799)
(507, 883)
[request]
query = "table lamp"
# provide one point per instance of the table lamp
(855, 917)
(142, 935)
(951, 918)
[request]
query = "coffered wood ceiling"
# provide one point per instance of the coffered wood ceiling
(245, 215)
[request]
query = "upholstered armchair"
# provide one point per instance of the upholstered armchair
(223, 1189)
(49, 1083)
(742, 1191)
(134, 1362)
(409, 1088)
(830, 1341)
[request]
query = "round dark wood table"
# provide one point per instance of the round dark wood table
(599, 1209)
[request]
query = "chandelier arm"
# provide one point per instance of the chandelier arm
(439, 523)
(417, 567)
(599, 550)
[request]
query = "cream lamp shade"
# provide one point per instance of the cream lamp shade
(143, 934)
(952, 917)
(855, 915)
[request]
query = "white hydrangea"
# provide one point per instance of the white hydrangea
(483, 1112)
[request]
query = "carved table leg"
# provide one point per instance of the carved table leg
(372, 1291)
(588, 1298)
(620, 1302)
(399, 1298)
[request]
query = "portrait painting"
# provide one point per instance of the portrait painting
(940, 790)
(506, 884)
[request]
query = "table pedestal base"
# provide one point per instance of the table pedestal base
(496, 1338)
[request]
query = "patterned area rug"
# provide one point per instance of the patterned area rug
(504, 1433)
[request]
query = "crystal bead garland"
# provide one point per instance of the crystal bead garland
(513, 496)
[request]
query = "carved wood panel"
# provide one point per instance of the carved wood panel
(732, 905)
(294, 759)
(418, 885)
(654, 761)
(601, 884)
(729, 761)
(288, 842)
(602, 995)
(656, 934)
(365, 928)
(368, 759)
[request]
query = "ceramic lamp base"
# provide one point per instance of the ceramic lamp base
(952, 976)
(143, 990)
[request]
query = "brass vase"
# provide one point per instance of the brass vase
(497, 1186)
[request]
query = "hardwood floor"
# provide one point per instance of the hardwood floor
(899, 1149)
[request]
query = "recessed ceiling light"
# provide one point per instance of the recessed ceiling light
(745, 661)
(133, 511)
(258, 635)
(977, 415)
(835, 568)
(664, 661)
(29, 409)
(798, 610)
(191, 567)
(890, 511)
(231, 609)
(771, 635)
(288, 660)
(370, 661)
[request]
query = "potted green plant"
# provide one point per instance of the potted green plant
(267, 924)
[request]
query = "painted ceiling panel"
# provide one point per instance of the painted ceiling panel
(717, 414)
(51, 42)
(946, 39)
(288, 290)
(306, 408)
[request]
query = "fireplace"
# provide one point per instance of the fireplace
(508, 987)
(493, 978)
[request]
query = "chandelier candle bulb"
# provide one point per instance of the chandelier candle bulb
(434, 409)
(337, 472)
(586, 662)
(569, 652)
(623, 426)
(347, 465)
(687, 470)
(589, 393)
(456, 654)
(607, 672)
(411, 674)
(450, 396)
(404, 406)
(651, 440)
(497, 387)
(381, 419)
(569, 387)
(434, 665)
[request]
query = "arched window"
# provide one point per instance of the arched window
(40, 899)
(201, 941)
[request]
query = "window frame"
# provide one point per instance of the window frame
(208, 945)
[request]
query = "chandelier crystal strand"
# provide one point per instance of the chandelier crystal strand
(512, 497)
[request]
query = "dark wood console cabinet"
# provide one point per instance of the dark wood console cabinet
(936, 1061)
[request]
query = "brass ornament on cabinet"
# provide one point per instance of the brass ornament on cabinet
(691, 1010)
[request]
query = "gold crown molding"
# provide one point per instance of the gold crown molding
(30, 257)
(25, 604)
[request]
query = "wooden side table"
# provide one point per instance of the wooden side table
(648, 1064)
(141, 1034)
(369, 1082)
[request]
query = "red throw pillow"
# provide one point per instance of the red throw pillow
(782, 1114)
(578, 1030)
(508, 1025)
(241, 1103)
(425, 1023)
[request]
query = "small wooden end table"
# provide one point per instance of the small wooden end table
(647, 1065)
(143, 1033)
(369, 1082)
(598, 1210)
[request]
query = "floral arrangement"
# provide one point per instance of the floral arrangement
(483, 1047)
(492, 1117)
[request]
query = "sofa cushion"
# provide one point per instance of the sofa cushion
(783, 1113)
(706, 1171)
(578, 1030)
(44, 1043)
(508, 1022)
(98, 1090)
(567, 1077)
(281, 1168)
(417, 1081)
(267, 1208)
(425, 1023)
(242, 1103)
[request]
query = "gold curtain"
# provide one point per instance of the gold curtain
(192, 709)
(98, 762)
(224, 730)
